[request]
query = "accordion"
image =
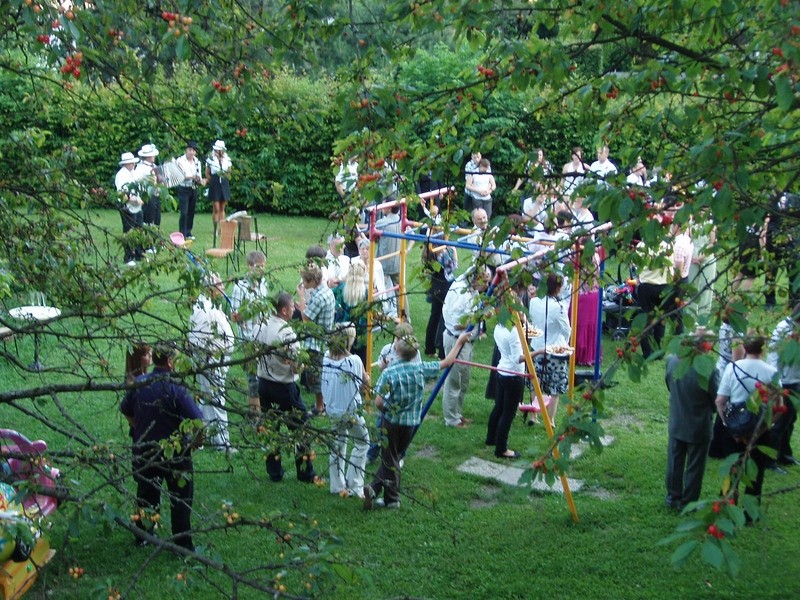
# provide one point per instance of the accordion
(171, 174)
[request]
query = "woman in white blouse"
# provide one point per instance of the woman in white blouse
(218, 167)
(549, 315)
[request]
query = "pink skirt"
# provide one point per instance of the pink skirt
(586, 335)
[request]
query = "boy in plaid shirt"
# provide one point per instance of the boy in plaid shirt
(399, 394)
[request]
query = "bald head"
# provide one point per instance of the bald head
(479, 218)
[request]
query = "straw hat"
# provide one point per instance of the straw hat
(127, 158)
(219, 145)
(148, 150)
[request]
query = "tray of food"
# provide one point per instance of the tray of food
(559, 350)
(532, 332)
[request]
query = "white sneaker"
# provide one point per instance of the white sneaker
(393, 505)
(151, 250)
(130, 263)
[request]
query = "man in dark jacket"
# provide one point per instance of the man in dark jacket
(691, 407)
(157, 408)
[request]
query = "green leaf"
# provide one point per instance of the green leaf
(771, 452)
(704, 364)
(785, 93)
(182, 48)
(731, 558)
(683, 552)
(736, 514)
(690, 525)
(751, 506)
(711, 553)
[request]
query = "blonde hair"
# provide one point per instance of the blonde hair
(355, 284)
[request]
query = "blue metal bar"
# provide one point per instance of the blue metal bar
(598, 348)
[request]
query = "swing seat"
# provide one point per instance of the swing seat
(533, 407)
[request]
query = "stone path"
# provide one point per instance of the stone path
(510, 473)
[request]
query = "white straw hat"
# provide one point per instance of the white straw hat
(127, 158)
(219, 145)
(148, 150)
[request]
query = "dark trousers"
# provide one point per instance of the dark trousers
(152, 211)
(761, 460)
(469, 201)
(187, 202)
(507, 398)
(722, 442)
(387, 478)
(783, 427)
(131, 221)
(150, 474)
(650, 297)
(686, 465)
(436, 296)
(282, 402)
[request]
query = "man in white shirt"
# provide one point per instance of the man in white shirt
(459, 305)
(147, 173)
(277, 386)
(347, 178)
(337, 263)
(131, 210)
(211, 343)
(187, 189)
(603, 167)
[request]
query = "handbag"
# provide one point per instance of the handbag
(740, 422)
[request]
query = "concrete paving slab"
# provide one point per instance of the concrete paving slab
(510, 475)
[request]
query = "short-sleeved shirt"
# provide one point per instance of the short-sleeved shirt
(402, 386)
(320, 309)
(158, 406)
(277, 364)
(740, 378)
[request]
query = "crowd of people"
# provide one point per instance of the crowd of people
(140, 181)
(324, 322)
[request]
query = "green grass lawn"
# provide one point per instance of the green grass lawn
(456, 535)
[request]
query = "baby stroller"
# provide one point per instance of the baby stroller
(620, 305)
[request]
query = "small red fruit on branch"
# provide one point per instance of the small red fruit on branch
(714, 531)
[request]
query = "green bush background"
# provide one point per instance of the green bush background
(283, 163)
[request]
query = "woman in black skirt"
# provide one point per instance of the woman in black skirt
(218, 167)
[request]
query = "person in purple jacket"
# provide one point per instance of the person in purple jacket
(156, 406)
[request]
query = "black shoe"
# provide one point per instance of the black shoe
(307, 478)
(511, 456)
(789, 461)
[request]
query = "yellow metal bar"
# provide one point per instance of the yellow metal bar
(537, 388)
(573, 334)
